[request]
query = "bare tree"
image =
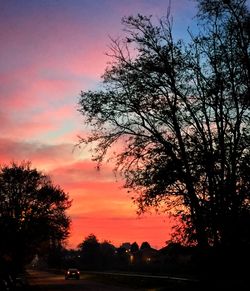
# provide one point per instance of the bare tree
(180, 113)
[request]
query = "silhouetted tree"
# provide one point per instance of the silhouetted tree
(95, 254)
(107, 254)
(32, 213)
(55, 253)
(180, 114)
(70, 258)
(122, 257)
(145, 245)
(126, 246)
(134, 247)
(90, 252)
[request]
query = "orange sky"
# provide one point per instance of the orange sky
(103, 207)
(50, 51)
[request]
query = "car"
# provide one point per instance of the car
(72, 273)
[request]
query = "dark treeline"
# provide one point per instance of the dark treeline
(173, 259)
(102, 256)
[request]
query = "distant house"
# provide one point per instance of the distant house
(176, 253)
(126, 246)
(149, 255)
(144, 256)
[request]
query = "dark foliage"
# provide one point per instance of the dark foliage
(180, 114)
(32, 213)
(95, 255)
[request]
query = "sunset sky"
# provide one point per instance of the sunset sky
(50, 50)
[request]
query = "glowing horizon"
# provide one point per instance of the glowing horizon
(50, 51)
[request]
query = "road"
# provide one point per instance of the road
(94, 281)
(44, 281)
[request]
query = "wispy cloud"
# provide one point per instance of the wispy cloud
(50, 51)
(43, 156)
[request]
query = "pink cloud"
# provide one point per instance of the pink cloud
(42, 107)
(49, 53)
(41, 155)
(99, 205)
